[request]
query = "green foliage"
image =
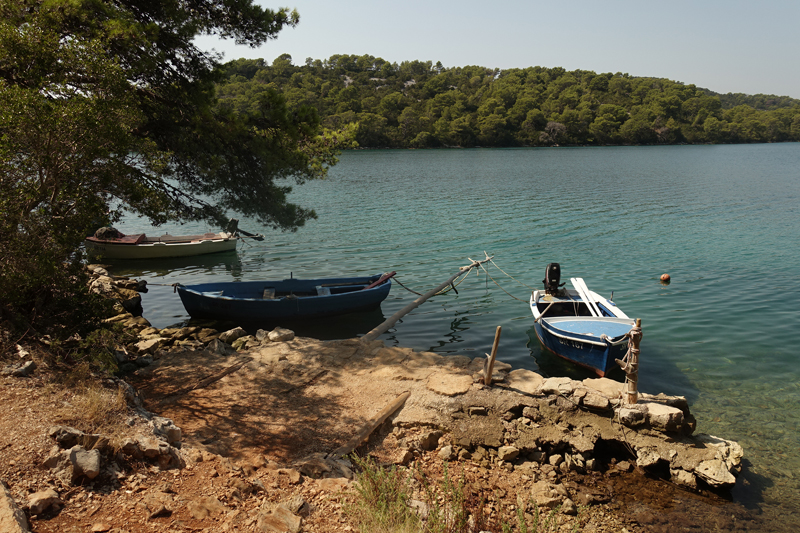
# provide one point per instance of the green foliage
(539, 524)
(108, 107)
(382, 505)
(384, 497)
(418, 105)
(40, 292)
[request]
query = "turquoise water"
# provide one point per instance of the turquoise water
(721, 220)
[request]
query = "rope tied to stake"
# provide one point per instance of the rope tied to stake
(630, 361)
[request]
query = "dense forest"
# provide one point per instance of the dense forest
(418, 104)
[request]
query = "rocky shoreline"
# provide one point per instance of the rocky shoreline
(561, 443)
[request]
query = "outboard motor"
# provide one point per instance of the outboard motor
(233, 226)
(552, 277)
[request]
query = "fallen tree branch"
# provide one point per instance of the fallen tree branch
(370, 426)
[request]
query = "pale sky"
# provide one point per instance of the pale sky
(727, 46)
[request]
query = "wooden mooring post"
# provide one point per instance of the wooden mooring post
(488, 368)
(389, 322)
(630, 364)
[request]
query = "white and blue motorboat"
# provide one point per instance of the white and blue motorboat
(579, 325)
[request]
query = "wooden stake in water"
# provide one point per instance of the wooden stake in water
(630, 365)
(488, 368)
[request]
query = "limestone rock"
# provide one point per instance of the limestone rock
(103, 285)
(296, 504)
(19, 370)
(39, 502)
(150, 448)
(449, 384)
(138, 321)
(56, 459)
(607, 387)
(218, 347)
(507, 453)
(315, 466)
(562, 385)
(240, 343)
(679, 476)
(204, 507)
(728, 451)
(12, 518)
(545, 495)
(333, 484)
(425, 360)
(663, 417)
(262, 336)
(430, 440)
(206, 335)
(574, 462)
(150, 346)
(281, 520)
(281, 335)
(447, 453)
(131, 300)
(231, 335)
(631, 417)
(525, 381)
(391, 355)
(595, 401)
(84, 462)
(149, 331)
(404, 457)
(180, 334)
(647, 457)
(65, 436)
(167, 429)
(715, 472)
(478, 431)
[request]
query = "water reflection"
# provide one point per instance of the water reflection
(171, 267)
(331, 328)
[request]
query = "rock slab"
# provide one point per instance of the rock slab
(12, 519)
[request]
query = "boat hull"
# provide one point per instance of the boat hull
(296, 299)
(159, 250)
(600, 359)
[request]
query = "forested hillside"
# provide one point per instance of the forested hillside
(418, 104)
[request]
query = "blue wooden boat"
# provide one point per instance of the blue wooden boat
(290, 299)
(579, 325)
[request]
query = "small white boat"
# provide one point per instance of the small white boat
(143, 247)
(108, 243)
(579, 325)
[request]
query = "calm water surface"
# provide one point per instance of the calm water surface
(721, 220)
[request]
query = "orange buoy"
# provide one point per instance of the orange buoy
(665, 278)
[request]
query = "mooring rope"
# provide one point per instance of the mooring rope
(451, 287)
(498, 285)
(488, 275)
(510, 276)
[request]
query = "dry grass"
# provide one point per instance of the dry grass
(90, 407)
